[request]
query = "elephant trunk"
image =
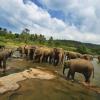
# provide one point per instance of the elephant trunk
(93, 72)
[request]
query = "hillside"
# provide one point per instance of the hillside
(16, 39)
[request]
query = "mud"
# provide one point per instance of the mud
(54, 89)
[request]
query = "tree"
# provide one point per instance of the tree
(25, 36)
(17, 35)
(41, 38)
(0, 28)
(82, 49)
(50, 41)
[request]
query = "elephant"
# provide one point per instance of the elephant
(38, 54)
(31, 52)
(58, 56)
(21, 50)
(72, 55)
(87, 57)
(42, 54)
(24, 50)
(3, 58)
(82, 66)
(47, 54)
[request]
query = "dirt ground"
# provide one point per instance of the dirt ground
(54, 89)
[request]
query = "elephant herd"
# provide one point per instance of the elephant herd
(75, 61)
(41, 54)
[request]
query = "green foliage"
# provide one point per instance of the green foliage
(50, 41)
(82, 49)
(9, 38)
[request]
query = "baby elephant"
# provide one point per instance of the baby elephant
(81, 66)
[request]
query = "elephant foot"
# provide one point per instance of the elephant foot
(67, 78)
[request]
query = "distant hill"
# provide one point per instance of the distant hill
(75, 44)
(72, 43)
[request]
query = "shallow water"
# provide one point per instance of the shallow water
(55, 89)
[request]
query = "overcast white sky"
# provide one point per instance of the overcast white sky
(63, 19)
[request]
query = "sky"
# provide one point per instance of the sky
(77, 20)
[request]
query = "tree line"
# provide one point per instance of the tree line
(26, 37)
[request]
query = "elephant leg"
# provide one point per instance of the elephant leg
(60, 60)
(4, 66)
(56, 62)
(69, 73)
(41, 59)
(31, 56)
(50, 60)
(37, 58)
(47, 58)
(73, 74)
(0, 64)
(87, 77)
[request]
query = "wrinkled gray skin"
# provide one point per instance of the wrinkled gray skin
(82, 66)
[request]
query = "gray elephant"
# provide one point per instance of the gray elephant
(58, 56)
(81, 66)
(72, 55)
(87, 57)
(31, 52)
(42, 54)
(3, 58)
(21, 50)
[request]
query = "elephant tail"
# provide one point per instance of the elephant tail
(93, 72)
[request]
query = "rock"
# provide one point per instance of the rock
(10, 82)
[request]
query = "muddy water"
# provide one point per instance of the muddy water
(55, 89)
